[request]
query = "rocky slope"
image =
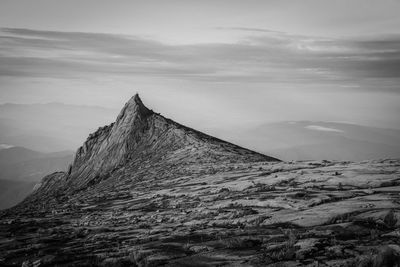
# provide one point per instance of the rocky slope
(146, 191)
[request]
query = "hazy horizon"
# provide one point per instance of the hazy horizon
(113, 112)
(224, 64)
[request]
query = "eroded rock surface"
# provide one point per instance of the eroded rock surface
(176, 197)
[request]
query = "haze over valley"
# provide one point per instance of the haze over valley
(56, 127)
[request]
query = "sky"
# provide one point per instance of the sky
(209, 64)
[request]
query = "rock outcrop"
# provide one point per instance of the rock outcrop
(141, 137)
(111, 146)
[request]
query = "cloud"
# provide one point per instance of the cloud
(5, 146)
(265, 57)
(323, 129)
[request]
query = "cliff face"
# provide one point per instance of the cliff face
(110, 146)
(140, 137)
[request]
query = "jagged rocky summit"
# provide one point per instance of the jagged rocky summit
(140, 137)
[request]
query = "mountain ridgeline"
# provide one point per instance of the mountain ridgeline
(140, 137)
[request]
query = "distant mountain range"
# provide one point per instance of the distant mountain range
(310, 140)
(50, 127)
(22, 168)
(56, 127)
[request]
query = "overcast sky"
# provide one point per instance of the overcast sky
(208, 64)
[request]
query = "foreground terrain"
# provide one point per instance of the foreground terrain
(335, 213)
(146, 191)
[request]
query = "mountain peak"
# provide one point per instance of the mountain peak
(140, 137)
(135, 100)
(134, 107)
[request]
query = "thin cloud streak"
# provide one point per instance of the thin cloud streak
(269, 57)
